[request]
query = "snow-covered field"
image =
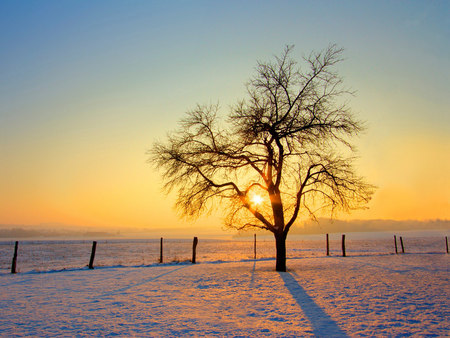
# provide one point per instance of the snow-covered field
(359, 295)
(42, 255)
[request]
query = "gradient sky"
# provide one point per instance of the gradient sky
(87, 86)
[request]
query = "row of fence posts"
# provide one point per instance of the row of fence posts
(194, 250)
(343, 245)
(94, 248)
(328, 245)
(395, 244)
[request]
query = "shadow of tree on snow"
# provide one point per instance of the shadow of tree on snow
(321, 323)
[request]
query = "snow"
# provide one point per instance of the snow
(43, 255)
(360, 295)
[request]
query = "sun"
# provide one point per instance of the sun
(257, 199)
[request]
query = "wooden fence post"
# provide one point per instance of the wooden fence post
(14, 260)
(401, 243)
(254, 247)
(91, 261)
(161, 250)
(446, 243)
(328, 246)
(395, 244)
(343, 245)
(194, 250)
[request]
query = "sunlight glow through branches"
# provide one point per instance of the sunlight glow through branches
(257, 200)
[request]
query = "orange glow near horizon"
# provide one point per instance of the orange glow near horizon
(115, 193)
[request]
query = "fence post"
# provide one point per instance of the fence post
(446, 243)
(161, 250)
(401, 243)
(254, 247)
(91, 261)
(14, 260)
(328, 246)
(343, 245)
(395, 244)
(194, 250)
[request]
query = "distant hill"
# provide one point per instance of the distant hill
(30, 232)
(331, 226)
(61, 231)
(328, 226)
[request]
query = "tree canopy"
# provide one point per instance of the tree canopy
(280, 153)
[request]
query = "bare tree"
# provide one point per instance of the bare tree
(277, 155)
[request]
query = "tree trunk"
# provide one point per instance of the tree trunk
(280, 241)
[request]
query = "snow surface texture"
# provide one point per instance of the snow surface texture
(365, 295)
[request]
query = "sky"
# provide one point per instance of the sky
(86, 87)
